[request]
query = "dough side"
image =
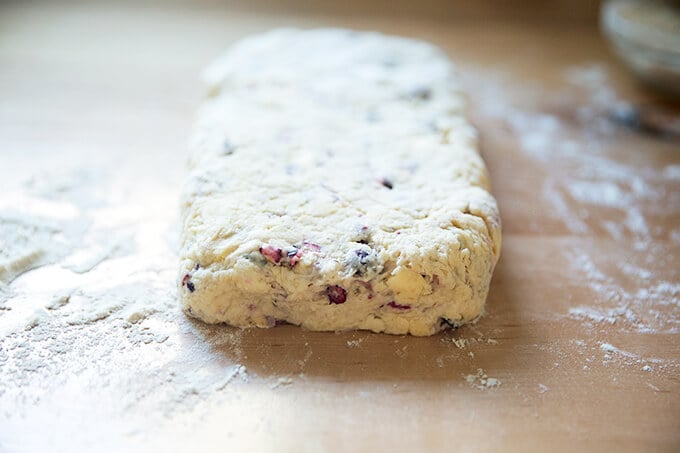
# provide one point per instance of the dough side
(335, 184)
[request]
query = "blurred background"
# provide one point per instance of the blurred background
(561, 10)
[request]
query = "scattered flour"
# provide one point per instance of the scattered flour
(481, 381)
(462, 343)
(592, 314)
(282, 381)
(608, 348)
(611, 204)
(654, 307)
(354, 343)
(580, 168)
(85, 298)
(612, 354)
(27, 242)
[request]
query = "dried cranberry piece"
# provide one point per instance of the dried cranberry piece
(186, 280)
(386, 182)
(271, 253)
(393, 304)
(336, 294)
(312, 245)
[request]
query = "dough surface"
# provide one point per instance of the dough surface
(335, 184)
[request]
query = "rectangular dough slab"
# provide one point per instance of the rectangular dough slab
(335, 184)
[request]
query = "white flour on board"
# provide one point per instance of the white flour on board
(482, 381)
(582, 169)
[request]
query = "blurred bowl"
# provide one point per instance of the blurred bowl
(646, 35)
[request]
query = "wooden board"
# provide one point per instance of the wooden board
(580, 348)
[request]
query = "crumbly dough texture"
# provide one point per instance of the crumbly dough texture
(335, 184)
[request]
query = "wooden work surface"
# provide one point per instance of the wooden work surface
(580, 346)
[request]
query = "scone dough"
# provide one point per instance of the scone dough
(335, 184)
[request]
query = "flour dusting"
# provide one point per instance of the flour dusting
(596, 194)
(481, 380)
